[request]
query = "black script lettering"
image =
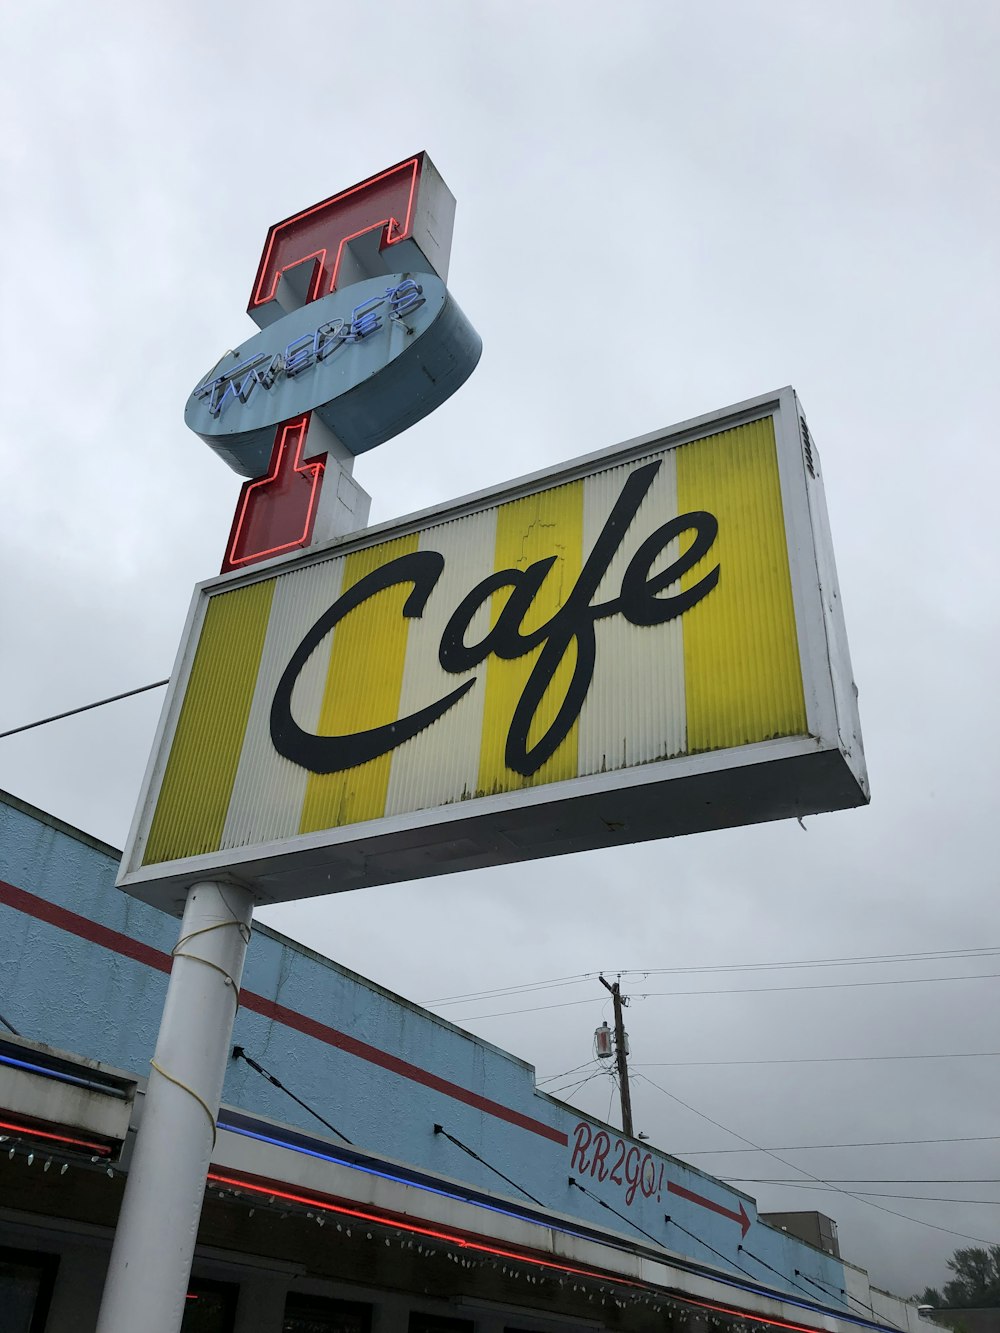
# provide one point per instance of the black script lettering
(504, 639)
(572, 626)
(638, 601)
(330, 754)
(569, 630)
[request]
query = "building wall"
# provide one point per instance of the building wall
(84, 968)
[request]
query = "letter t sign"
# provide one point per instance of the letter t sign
(398, 220)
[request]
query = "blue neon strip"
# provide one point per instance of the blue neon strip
(843, 1314)
(399, 1180)
(63, 1077)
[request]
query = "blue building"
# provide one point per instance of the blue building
(376, 1168)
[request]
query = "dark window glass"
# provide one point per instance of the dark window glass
(318, 1314)
(431, 1323)
(210, 1307)
(26, 1281)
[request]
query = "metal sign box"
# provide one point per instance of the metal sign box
(641, 643)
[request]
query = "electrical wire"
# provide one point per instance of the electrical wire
(84, 708)
(865, 1180)
(812, 1147)
(816, 1060)
(611, 1096)
(853, 960)
(9, 1026)
(893, 1212)
(551, 1078)
(737, 990)
(880, 1194)
(572, 1091)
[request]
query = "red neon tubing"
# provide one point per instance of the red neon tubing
(57, 1138)
(383, 1220)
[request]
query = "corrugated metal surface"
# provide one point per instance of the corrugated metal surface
(194, 797)
(743, 679)
(363, 684)
(441, 764)
(269, 789)
(535, 528)
(634, 710)
(724, 673)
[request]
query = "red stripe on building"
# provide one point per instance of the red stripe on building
(82, 926)
(311, 1028)
(75, 924)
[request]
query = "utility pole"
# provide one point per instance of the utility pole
(620, 1056)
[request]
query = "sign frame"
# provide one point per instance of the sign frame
(755, 782)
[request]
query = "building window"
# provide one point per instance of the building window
(430, 1323)
(26, 1281)
(318, 1314)
(210, 1307)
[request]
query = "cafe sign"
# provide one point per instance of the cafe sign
(641, 643)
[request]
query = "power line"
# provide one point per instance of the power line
(854, 960)
(739, 990)
(816, 1060)
(84, 708)
(569, 1090)
(880, 1194)
(551, 1078)
(812, 1147)
(823, 985)
(893, 1212)
(868, 1180)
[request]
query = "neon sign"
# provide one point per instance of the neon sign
(359, 339)
(238, 383)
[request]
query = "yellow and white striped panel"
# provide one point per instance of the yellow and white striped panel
(724, 674)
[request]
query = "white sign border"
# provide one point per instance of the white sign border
(830, 697)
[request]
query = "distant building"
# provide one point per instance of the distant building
(814, 1228)
(441, 1193)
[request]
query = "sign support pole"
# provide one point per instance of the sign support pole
(147, 1279)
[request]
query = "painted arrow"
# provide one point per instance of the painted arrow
(740, 1217)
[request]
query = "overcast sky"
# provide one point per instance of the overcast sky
(663, 208)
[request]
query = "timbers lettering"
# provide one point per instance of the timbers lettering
(640, 601)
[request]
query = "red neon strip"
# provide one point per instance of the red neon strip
(382, 1219)
(32, 1133)
(255, 490)
(412, 163)
(745, 1314)
(41, 910)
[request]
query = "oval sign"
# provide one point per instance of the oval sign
(369, 360)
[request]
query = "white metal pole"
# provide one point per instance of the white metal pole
(157, 1228)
